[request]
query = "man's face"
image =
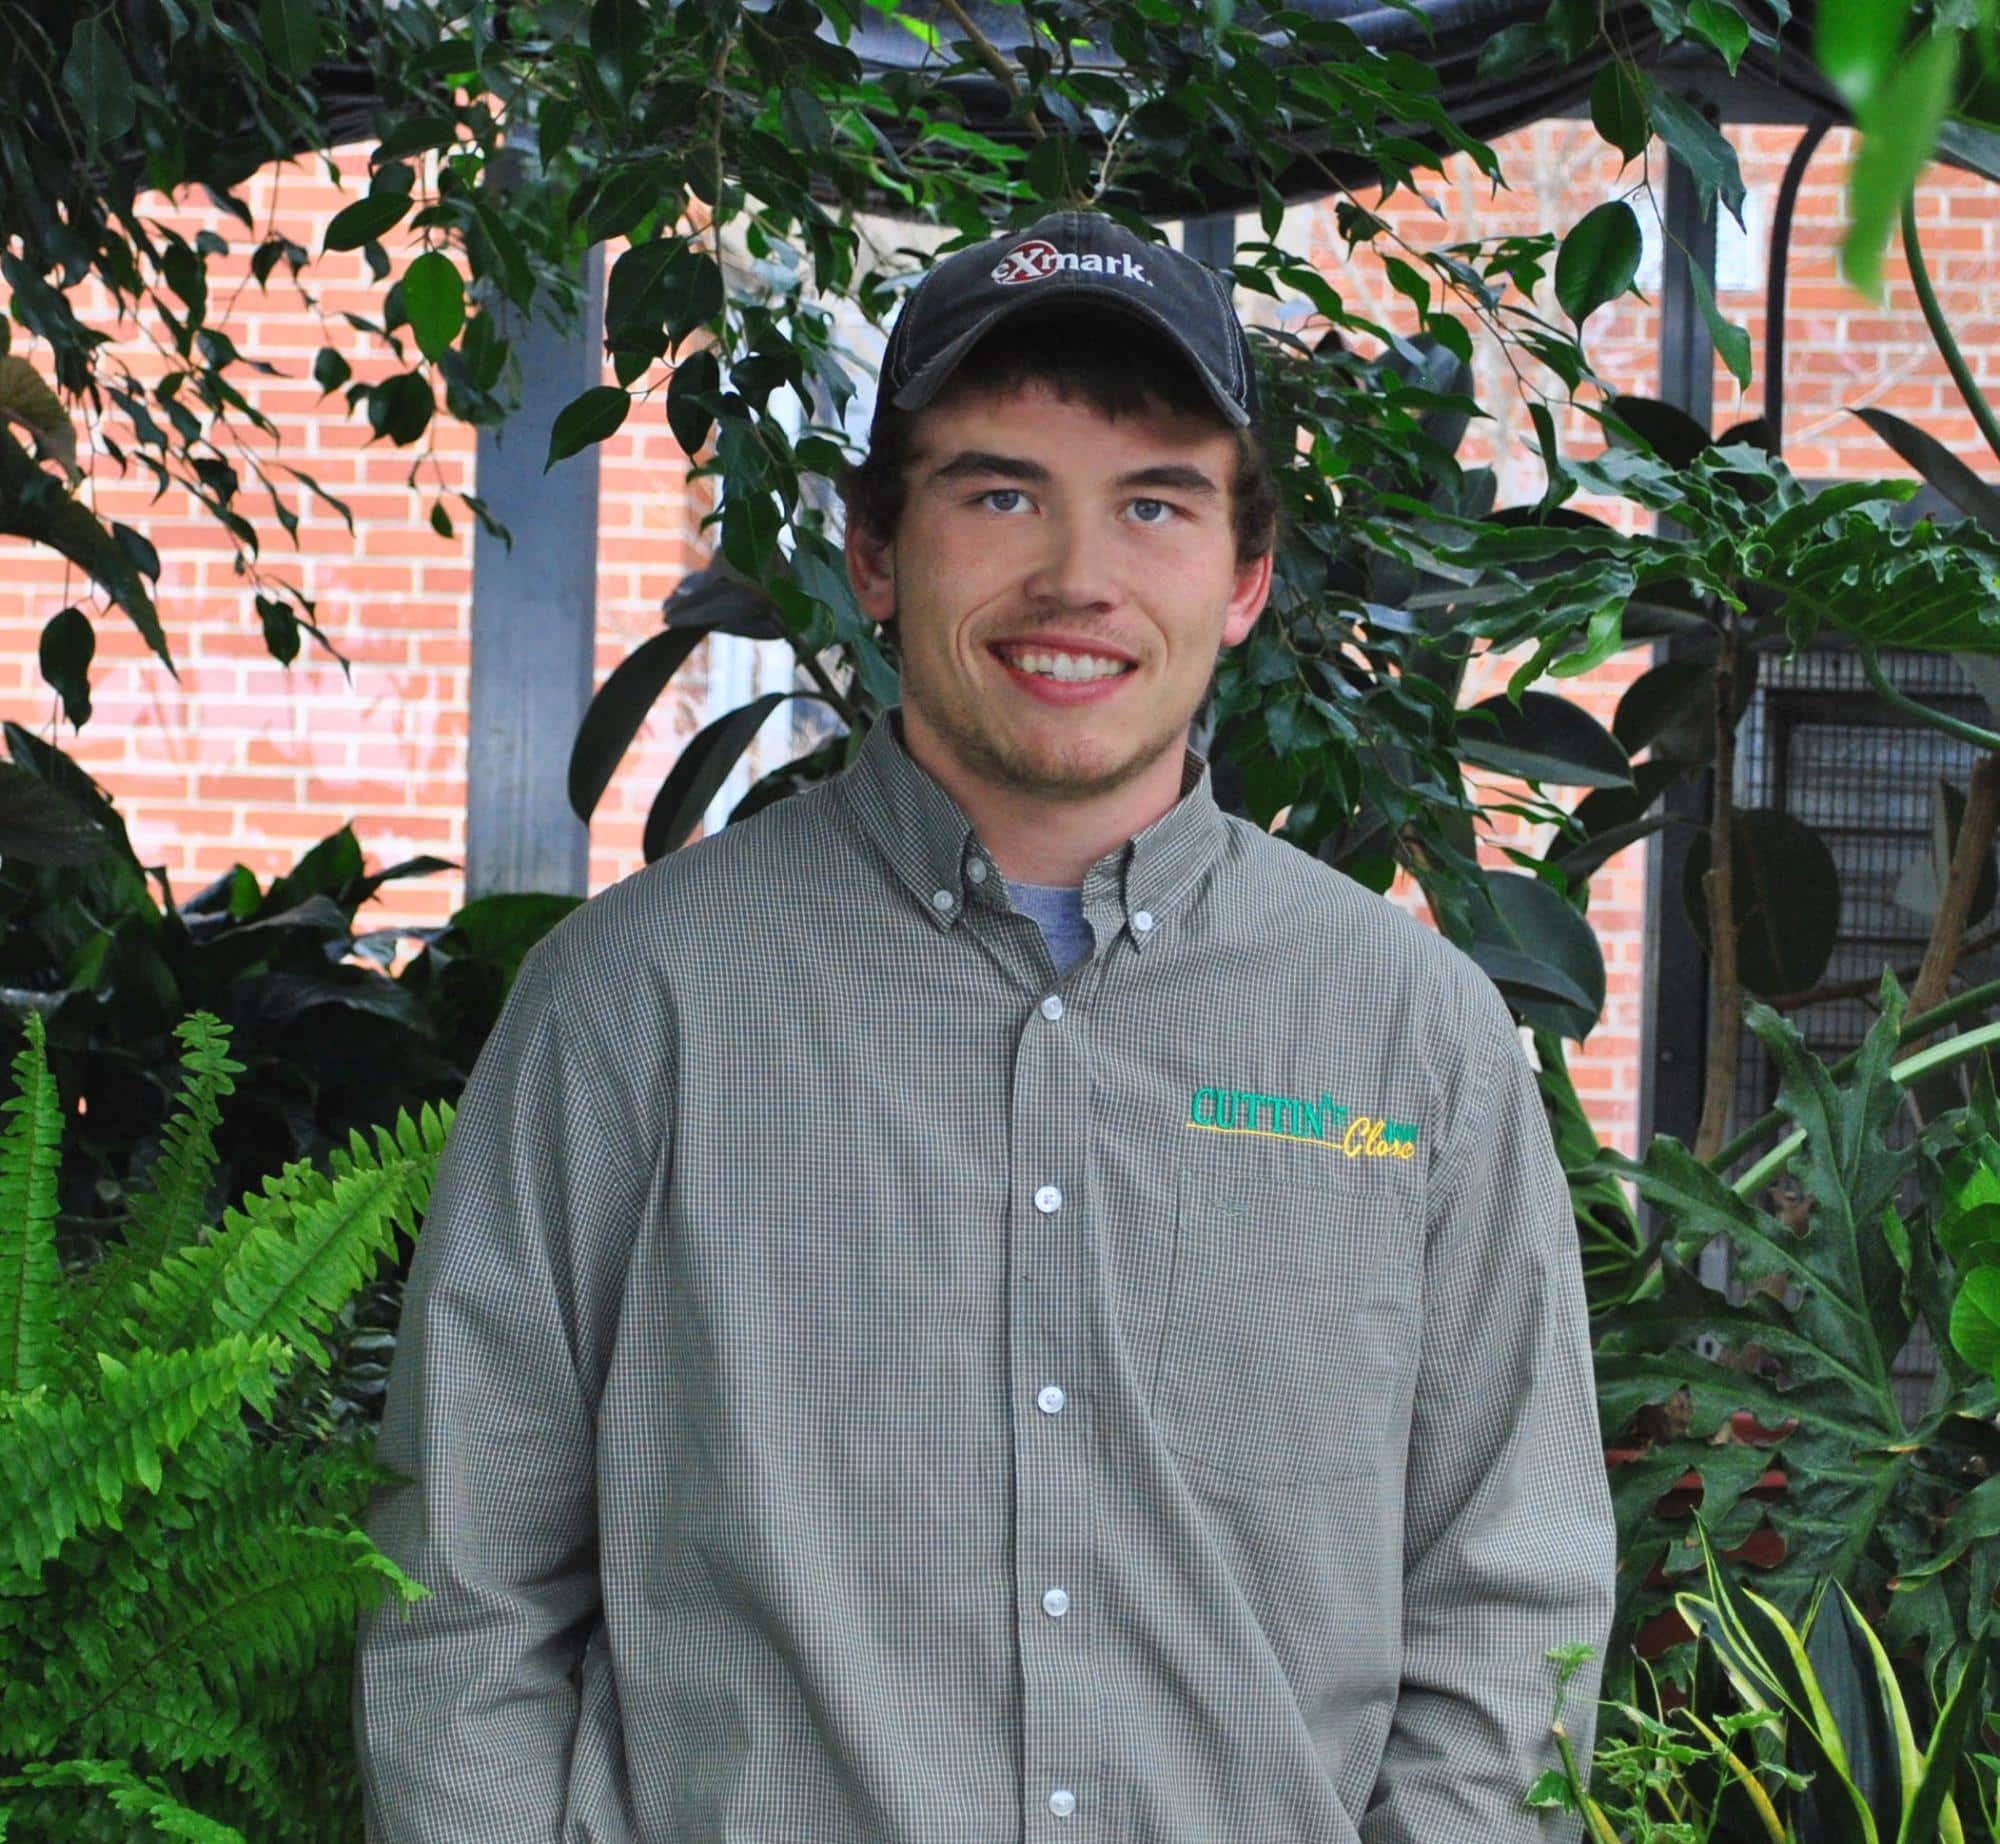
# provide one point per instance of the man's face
(1035, 528)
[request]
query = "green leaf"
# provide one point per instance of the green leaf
(1975, 1321)
(401, 407)
(1710, 160)
(598, 413)
(434, 299)
(1855, 44)
(1598, 260)
(1618, 110)
(1731, 341)
(703, 767)
(1542, 955)
(292, 38)
(698, 374)
(619, 33)
(1724, 28)
(365, 220)
(1786, 894)
(330, 370)
(621, 704)
(68, 642)
(98, 80)
(1899, 134)
(1939, 467)
(1546, 739)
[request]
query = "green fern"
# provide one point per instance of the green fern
(169, 1208)
(30, 1154)
(176, 1585)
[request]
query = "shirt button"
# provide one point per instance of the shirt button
(1051, 1399)
(1062, 1802)
(1055, 1603)
(1048, 1200)
(940, 899)
(1142, 920)
(976, 870)
(1052, 1007)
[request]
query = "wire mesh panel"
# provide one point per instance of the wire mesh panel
(1819, 744)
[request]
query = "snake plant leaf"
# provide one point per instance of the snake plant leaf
(1869, 1714)
(1939, 466)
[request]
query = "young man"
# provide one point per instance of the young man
(995, 1301)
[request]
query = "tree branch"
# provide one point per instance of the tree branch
(1725, 988)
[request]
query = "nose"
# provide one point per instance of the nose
(1078, 567)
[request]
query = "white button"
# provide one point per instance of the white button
(1055, 1603)
(940, 899)
(1142, 920)
(1048, 1200)
(1052, 1007)
(976, 870)
(1062, 1802)
(1050, 1399)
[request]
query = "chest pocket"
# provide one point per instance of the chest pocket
(1293, 1310)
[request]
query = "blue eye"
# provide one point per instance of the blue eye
(997, 492)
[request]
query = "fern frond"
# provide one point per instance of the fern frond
(67, 1464)
(296, 1251)
(169, 1208)
(30, 1276)
(132, 1795)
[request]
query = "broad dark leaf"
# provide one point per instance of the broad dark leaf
(703, 767)
(1939, 466)
(1786, 895)
(1618, 110)
(39, 824)
(434, 299)
(1546, 739)
(68, 644)
(598, 413)
(1541, 953)
(622, 703)
(365, 220)
(1671, 432)
(1598, 260)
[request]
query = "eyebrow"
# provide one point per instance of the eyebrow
(1177, 476)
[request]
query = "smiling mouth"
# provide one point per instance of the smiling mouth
(1062, 667)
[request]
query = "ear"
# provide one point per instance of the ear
(1247, 599)
(871, 569)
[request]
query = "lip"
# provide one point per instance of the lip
(1067, 691)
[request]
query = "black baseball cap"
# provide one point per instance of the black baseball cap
(1079, 256)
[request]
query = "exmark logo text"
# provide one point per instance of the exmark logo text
(1038, 259)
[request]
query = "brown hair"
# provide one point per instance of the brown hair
(1114, 363)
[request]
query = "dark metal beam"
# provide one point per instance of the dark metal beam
(1673, 1032)
(534, 617)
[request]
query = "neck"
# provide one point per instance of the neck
(1033, 837)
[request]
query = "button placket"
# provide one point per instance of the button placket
(1051, 1316)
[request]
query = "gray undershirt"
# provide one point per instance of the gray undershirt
(1058, 911)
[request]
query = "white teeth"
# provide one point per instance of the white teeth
(1067, 665)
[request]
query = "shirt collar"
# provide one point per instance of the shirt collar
(928, 841)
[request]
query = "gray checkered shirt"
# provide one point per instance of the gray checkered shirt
(857, 1387)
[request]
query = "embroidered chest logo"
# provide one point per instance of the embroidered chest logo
(1324, 1122)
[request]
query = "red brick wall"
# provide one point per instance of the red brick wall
(245, 761)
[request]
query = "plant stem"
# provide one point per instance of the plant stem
(1971, 853)
(1725, 1007)
(1975, 999)
(1968, 386)
(1871, 669)
(1870, 984)
(1938, 1056)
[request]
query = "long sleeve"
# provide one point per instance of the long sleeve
(1508, 1534)
(464, 1705)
